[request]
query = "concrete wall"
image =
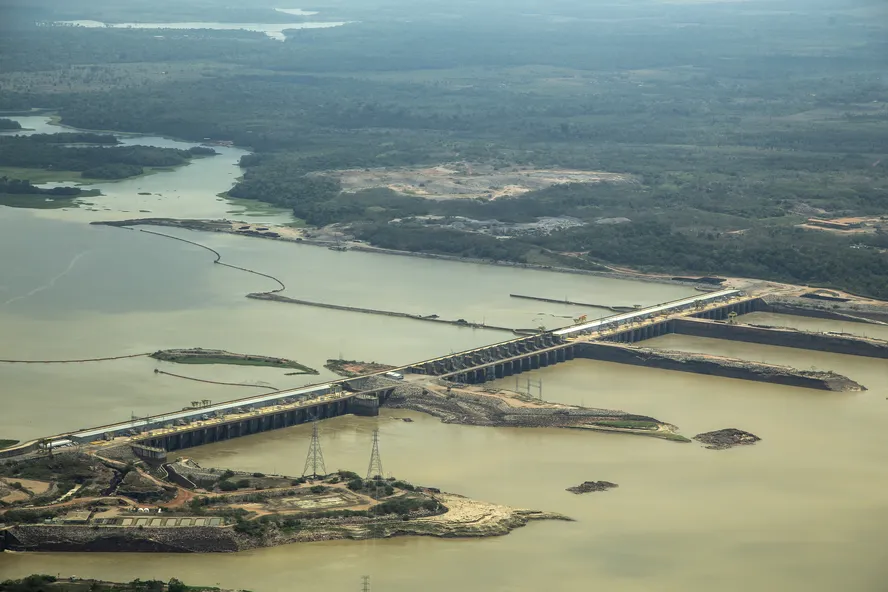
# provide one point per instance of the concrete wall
(18, 451)
(838, 344)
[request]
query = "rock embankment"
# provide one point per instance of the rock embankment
(504, 409)
(463, 518)
(105, 539)
(590, 486)
(717, 366)
(727, 438)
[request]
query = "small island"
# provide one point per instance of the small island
(591, 486)
(80, 501)
(727, 438)
(22, 194)
(217, 356)
(79, 156)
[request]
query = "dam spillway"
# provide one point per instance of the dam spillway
(212, 423)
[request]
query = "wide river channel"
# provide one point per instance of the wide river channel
(804, 509)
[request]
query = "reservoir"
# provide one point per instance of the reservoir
(802, 509)
(275, 31)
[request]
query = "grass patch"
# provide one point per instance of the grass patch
(8, 443)
(44, 202)
(36, 202)
(674, 437)
(38, 176)
(246, 362)
(629, 424)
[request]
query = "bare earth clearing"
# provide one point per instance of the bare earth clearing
(462, 180)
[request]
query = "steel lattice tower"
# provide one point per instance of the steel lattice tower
(366, 583)
(314, 462)
(375, 468)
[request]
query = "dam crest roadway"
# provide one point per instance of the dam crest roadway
(362, 395)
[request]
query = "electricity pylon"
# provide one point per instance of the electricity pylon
(366, 583)
(314, 462)
(375, 468)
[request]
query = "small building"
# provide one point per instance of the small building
(76, 517)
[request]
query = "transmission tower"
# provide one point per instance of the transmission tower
(314, 462)
(375, 468)
(366, 583)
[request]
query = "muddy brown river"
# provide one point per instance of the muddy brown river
(804, 509)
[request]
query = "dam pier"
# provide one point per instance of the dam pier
(612, 338)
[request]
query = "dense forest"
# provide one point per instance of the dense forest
(736, 122)
(118, 162)
(21, 187)
(9, 124)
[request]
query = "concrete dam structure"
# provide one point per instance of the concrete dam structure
(697, 315)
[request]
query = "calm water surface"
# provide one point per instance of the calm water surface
(275, 31)
(804, 509)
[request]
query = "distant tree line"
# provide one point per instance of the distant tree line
(22, 187)
(115, 162)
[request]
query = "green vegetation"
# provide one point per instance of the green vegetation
(74, 138)
(45, 151)
(46, 583)
(404, 506)
(7, 443)
(41, 176)
(629, 424)
(19, 187)
(730, 137)
(62, 468)
(9, 124)
(198, 356)
(27, 516)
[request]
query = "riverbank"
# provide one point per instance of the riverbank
(185, 508)
(463, 518)
(48, 583)
(303, 236)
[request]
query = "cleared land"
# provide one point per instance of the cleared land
(461, 180)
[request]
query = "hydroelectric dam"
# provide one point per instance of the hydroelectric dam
(702, 314)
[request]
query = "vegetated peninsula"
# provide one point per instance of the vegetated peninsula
(9, 124)
(84, 502)
(65, 156)
(20, 193)
(217, 356)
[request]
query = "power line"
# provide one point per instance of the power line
(314, 461)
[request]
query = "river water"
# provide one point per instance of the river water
(803, 509)
(276, 31)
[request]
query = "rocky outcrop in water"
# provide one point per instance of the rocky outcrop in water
(590, 486)
(727, 438)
